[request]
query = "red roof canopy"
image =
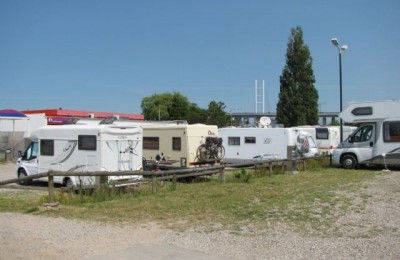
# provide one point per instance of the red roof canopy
(82, 114)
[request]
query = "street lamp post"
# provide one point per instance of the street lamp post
(340, 49)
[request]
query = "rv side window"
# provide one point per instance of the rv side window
(363, 134)
(176, 143)
(47, 147)
(151, 143)
(249, 140)
(322, 133)
(391, 131)
(87, 142)
(233, 140)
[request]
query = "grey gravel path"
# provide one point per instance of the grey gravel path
(371, 233)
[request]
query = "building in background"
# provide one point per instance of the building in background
(13, 134)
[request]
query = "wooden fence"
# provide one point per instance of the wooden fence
(173, 174)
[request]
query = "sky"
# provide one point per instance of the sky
(107, 55)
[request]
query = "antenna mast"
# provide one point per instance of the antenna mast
(259, 97)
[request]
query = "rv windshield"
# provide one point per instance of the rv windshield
(31, 152)
(311, 142)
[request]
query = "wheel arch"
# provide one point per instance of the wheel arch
(342, 156)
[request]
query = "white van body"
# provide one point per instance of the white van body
(327, 137)
(247, 144)
(377, 139)
(168, 142)
(82, 148)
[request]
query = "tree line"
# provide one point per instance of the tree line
(297, 104)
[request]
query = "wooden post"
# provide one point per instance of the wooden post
(154, 184)
(270, 168)
(222, 175)
(51, 188)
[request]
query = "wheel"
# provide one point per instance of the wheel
(220, 152)
(349, 161)
(21, 174)
(68, 183)
(201, 153)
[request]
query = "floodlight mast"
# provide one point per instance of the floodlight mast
(340, 49)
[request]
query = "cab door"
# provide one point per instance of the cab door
(363, 140)
(29, 159)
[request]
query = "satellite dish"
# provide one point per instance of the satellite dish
(265, 121)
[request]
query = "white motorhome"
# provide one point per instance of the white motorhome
(176, 143)
(377, 139)
(327, 137)
(82, 148)
(246, 144)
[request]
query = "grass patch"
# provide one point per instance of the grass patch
(311, 197)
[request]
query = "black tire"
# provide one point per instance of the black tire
(68, 183)
(349, 161)
(21, 174)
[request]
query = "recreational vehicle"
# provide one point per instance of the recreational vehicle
(377, 139)
(327, 137)
(82, 148)
(246, 144)
(175, 143)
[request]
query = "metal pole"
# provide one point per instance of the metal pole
(341, 104)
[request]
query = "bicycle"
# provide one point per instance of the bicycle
(212, 149)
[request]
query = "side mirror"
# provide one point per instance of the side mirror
(19, 154)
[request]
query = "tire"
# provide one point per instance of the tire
(220, 152)
(68, 183)
(201, 153)
(349, 161)
(21, 174)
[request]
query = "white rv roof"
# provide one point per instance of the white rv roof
(370, 111)
(66, 130)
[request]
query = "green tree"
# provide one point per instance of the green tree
(179, 107)
(298, 97)
(165, 106)
(197, 114)
(216, 114)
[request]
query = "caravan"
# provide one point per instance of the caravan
(175, 143)
(327, 137)
(82, 148)
(376, 141)
(248, 144)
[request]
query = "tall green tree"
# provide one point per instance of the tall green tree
(298, 97)
(216, 114)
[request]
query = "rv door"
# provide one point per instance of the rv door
(29, 159)
(364, 140)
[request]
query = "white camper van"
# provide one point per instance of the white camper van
(376, 141)
(82, 148)
(176, 143)
(327, 137)
(246, 144)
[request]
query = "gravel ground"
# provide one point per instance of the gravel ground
(370, 233)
